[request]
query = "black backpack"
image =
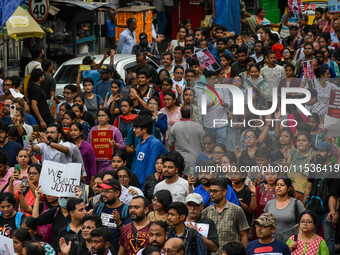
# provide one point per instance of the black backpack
(317, 200)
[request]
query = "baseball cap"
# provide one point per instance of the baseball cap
(265, 22)
(324, 146)
(266, 220)
(194, 197)
(143, 38)
(111, 184)
(106, 69)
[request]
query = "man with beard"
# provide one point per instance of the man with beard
(195, 205)
(6, 85)
(11, 148)
(205, 177)
(193, 241)
(323, 186)
(142, 64)
(6, 110)
(114, 214)
(240, 65)
(52, 147)
(100, 241)
(230, 220)
(265, 227)
(135, 234)
(157, 234)
(144, 46)
(178, 187)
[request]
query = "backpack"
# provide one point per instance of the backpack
(46, 230)
(18, 218)
(123, 216)
(317, 199)
(27, 79)
(191, 237)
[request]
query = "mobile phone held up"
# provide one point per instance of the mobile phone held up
(13, 110)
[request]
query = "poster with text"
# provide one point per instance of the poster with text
(101, 144)
(206, 60)
(60, 180)
(308, 68)
(334, 5)
(334, 103)
(6, 246)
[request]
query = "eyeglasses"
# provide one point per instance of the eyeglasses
(258, 46)
(106, 191)
(155, 104)
(168, 251)
(32, 173)
(284, 53)
(308, 222)
(260, 226)
(250, 137)
(123, 176)
(218, 152)
(214, 191)
(87, 227)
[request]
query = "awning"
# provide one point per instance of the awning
(86, 5)
(21, 25)
(7, 9)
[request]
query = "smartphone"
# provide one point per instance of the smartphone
(85, 67)
(17, 169)
(24, 181)
(36, 130)
(26, 141)
(13, 110)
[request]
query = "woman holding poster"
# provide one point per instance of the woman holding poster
(105, 140)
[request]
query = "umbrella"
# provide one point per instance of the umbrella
(21, 25)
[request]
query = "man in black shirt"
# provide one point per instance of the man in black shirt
(241, 64)
(194, 202)
(72, 231)
(37, 100)
(142, 63)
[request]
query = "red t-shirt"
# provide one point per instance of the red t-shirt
(127, 238)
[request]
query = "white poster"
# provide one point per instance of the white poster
(60, 180)
(202, 228)
(6, 246)
(332, 125)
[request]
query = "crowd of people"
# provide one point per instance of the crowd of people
(161, 191)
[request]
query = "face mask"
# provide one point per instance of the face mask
(62, 202)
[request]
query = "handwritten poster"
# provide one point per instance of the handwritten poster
(58, 179)
(308, 68)
(332, 119)
(101, 144)
(296, 7)
(6, 246)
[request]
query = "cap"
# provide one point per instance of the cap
(324, 146)
(143, 37)
(194, 197)
(111, 184)
(265, 22)
(106, 69)
(294, 25)
(266, 220)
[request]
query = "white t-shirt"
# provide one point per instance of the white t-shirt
(31, 66)
(179, 190)
(48, 153)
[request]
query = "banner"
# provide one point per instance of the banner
(6, 245)
(101, 144)
(59, 180)
(206, 60)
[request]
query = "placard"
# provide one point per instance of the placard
(6, 245)
(101, 144)
(60, 180)
(202, 228)
(308, 69)
(206, 60)
(296, 7)
(334, 5)
(334, 103)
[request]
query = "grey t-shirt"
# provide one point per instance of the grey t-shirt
(179, 190)
(285, 218)
(92, 106)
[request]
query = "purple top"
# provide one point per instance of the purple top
(89, 159)
(105, 165)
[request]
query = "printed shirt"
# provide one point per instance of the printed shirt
(230, 222)
(130, 234)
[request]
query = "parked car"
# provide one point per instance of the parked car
(68, 71)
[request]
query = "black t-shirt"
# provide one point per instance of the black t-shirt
(107, 220)
(7, 226)
(48, 85)
(212, 233)
(236, 69)
(244, 195)
(36, 93)
(69, 235)
(58, 222)
(88, 118)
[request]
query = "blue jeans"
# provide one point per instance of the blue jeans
(221, 134)
(328, 230)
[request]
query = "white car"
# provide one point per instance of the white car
(68, 71)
